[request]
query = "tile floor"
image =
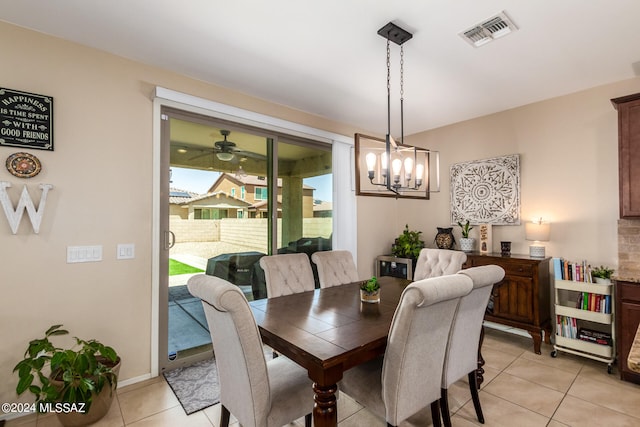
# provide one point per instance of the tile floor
(520, 389)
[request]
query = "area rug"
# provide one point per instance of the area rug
(195, 386)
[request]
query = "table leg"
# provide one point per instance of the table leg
(325, 411)
(480, 370)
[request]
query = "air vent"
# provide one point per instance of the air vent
(491, 29)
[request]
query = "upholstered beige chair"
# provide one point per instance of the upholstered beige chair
(335, 268)
(408, 378)
(258, 393)
(461, 357)
(287, 274)
(438, 262)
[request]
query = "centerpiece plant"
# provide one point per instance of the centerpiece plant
(370, 290)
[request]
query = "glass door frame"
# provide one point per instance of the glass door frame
(344, 225)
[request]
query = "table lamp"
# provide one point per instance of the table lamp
(538, 232)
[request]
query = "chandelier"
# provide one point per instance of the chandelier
(393, 168)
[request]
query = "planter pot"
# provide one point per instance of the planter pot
(99, 407)
(602, 281)
(467, 244)
(370, 297)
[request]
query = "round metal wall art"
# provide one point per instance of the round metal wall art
(23, 165)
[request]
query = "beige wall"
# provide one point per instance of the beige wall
(101, 170)
(569, 176)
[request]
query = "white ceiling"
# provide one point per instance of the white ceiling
(325, 57)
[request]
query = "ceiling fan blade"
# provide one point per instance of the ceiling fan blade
(250, 154)
(202, 155)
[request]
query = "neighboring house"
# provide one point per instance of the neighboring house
(214, 205)
(253, 190)
(322, 209)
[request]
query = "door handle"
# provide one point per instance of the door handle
(169, 240)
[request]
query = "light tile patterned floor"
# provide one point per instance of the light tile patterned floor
(521, 388)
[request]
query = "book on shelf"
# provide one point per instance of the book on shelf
(574, 271)
(598, 337)
(594, 302)
(566, 326)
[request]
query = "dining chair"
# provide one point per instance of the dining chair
(335, 268)
(438, 262)
(408, 377)
(461, 357)
(258, 393)
(287, 274)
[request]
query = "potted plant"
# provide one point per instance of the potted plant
(77, 383)
(370, 290)
(602, 274)
(466, 242)
(408, 244)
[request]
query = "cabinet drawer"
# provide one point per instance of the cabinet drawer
(510, 268)
(628, 291)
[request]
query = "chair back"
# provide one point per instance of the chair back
(414, 358)
(287, 274)
(242, 369)
(438, 262)
(462, 349)
(335, 268)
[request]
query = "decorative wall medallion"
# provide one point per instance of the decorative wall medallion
(23, 165)
(486, 191)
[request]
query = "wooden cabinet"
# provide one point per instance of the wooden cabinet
(629, 154)
(522, 298)
(627, 318)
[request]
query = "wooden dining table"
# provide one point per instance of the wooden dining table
(328, 331)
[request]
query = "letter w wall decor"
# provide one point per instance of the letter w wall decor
(15, 216)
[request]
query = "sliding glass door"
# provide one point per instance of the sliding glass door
(230, 195)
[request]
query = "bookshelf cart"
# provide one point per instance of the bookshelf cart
(567, 293)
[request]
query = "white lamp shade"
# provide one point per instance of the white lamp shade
(537, 231)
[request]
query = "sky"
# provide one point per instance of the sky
(199, 181)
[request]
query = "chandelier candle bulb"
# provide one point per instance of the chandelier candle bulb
(408, 168)
(396, 165)
(371, 164)
(419, 174)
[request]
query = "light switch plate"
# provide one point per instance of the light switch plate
(126, 251)
(84, 254)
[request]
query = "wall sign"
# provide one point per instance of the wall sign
(26, 120)
(486, 191)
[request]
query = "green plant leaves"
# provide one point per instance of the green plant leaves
(83, 370)
(408, 244)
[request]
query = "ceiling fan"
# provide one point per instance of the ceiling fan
(227, 151)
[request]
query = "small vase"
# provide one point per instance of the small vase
(444, 239)
(467, 244)
(370, 297)
(602, 281)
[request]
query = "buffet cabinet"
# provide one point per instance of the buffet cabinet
(522, 298)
